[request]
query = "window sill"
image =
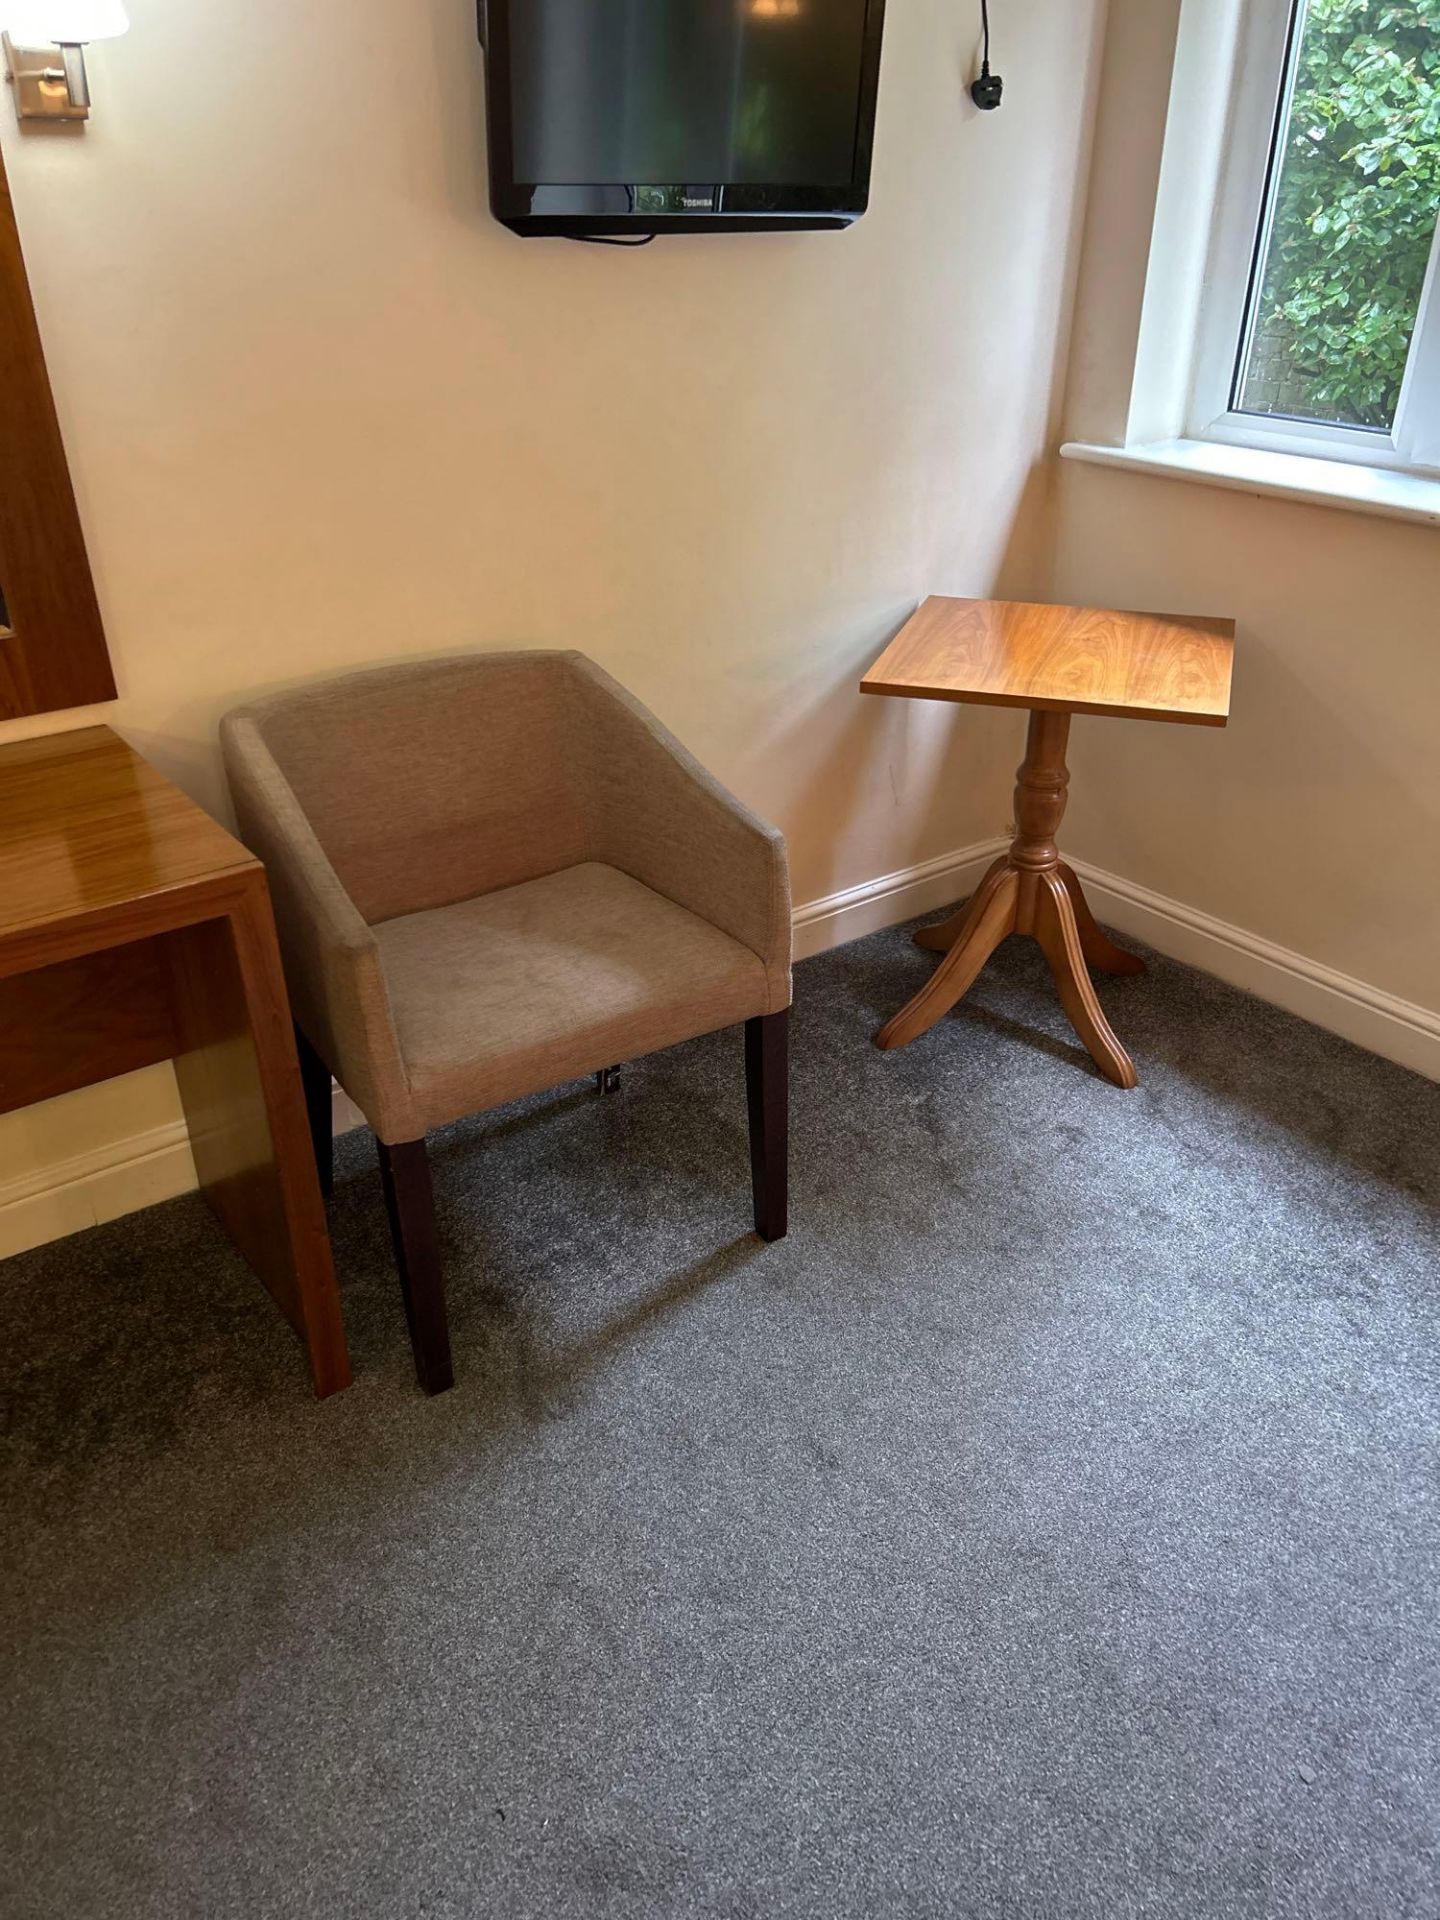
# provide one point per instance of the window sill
(1387, 491)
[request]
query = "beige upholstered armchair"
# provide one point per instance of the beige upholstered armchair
(492, 874)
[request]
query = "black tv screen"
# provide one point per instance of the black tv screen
(645, 116)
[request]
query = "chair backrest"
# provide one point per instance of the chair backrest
(430, 783)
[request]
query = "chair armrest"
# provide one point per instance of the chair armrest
(667, 821)
(332, 960)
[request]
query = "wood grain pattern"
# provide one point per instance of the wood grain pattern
(90, 830)
(114, 1010)
(53, 653)
(1055, 661)
(239, 1080)
(132, 926)
(1008, 653)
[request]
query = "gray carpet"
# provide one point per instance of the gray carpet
(1048, 1527)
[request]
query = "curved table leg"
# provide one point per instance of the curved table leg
(1058, 933)
(1099, 949)
(991, 917)
(948, 933)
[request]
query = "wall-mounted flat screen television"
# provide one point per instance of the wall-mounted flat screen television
(632, 117)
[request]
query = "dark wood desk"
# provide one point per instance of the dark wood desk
(134, 929)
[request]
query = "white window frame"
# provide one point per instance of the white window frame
(1266, 46)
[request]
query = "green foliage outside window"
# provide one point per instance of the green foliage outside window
(1355, 214)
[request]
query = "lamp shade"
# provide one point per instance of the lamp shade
(36, 23)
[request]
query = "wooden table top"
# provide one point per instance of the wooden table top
(1006, 653)
(86, 823)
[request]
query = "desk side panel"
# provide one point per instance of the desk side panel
(89, 1019)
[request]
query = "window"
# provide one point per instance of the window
(1320, 325)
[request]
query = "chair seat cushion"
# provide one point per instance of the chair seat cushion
(550, 980)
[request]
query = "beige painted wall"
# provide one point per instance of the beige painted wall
(1312, 821)
(321, 411)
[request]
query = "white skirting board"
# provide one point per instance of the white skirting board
(894, 897)
(345, 1116)
(155, 1165)
(1396, 1029)
(90, 1188)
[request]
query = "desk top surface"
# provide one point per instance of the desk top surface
(86, 823)
(1007, 653)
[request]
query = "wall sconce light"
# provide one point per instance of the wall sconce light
(35, 29)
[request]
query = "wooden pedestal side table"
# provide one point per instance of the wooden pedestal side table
(1056, 661)
(134, 929)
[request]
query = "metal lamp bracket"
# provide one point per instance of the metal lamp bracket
(43, 89)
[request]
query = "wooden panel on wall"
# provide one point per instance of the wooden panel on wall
(52, 651)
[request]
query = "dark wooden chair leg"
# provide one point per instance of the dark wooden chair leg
(315, 1078)
(410, 1202)
(767, 1085)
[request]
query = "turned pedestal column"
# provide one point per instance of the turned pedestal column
(1056, 661)
(1029, 890)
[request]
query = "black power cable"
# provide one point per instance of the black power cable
(988, 91)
